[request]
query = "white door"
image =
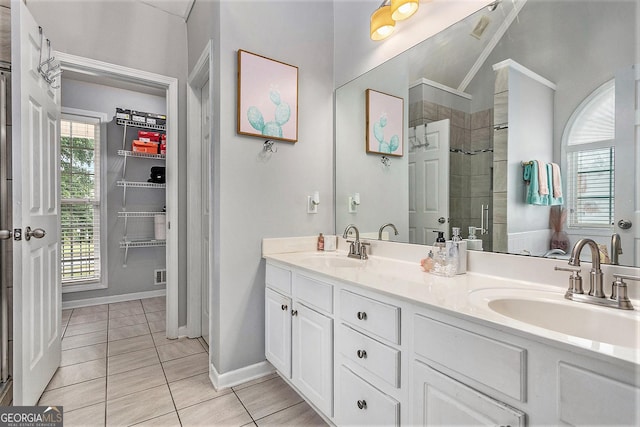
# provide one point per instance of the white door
(440, 400)
(205, 150)
(312, 360)
(36, 272)
(429, 184)
(627, 175)
(277, 331)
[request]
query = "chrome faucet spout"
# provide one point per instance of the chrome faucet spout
(616, 248)
(595, 276)
(395, 230)
(349, 228)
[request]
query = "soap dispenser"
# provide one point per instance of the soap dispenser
(473, 243)
(442, 264)
(457, 249)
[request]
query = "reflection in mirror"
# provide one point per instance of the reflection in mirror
(544, 81)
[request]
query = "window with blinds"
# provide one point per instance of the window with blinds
(591, 161)
(80, 200)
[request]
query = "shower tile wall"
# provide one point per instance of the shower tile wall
(470, 184)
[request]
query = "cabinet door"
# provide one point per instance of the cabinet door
(313, 357)
(277, 331)
(441, 400)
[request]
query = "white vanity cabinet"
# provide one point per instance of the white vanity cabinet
(299, 333)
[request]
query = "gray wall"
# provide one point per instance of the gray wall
(256, 197)
(132, 34)
(138, 276)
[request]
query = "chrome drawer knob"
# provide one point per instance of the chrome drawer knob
(362, 404)
(362, 354)
(361, 315)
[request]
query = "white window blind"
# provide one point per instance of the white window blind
(591, 161)
(80, 200)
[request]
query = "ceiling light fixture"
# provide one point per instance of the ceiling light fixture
(383, 20)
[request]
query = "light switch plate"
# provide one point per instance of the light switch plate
(311, 208)
(353, 208)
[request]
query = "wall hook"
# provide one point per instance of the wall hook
(269, 147)
(385, 161)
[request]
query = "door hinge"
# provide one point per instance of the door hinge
(17, 234)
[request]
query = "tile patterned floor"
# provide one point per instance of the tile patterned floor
(118, 369)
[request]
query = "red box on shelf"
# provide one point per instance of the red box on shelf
(147, 136)
(144, 147)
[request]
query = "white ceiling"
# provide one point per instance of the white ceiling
(179, 8)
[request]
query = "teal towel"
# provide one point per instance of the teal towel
(533, 193)
(552, 201)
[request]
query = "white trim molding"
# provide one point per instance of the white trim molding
(524, 70)
(440, 86)
(239, 376)
(112, 299)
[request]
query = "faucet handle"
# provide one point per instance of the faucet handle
(572, 270)
(575, 280)
(619, 291)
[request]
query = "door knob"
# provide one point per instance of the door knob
(441, 220)
(38, 233)
(5, 234)
(625, 224)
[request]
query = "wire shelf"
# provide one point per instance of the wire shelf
(127, 153)
(139, 214)
(124, 122)
(126, 244)
(134, 184)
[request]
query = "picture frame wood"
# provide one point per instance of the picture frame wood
(384, 124)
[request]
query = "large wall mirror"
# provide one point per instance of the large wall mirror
(551, 81)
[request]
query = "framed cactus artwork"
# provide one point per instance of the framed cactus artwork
(267, 98)
(385, 124)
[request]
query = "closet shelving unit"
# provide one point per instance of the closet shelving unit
(127, 243)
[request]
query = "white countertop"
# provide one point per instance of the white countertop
(466, 296)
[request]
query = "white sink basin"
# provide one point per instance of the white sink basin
(332, 261)
(549, 310)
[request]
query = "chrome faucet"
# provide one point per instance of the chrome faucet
(616, 248)
(356, 249)
(595, 275)
(555, 251)
(395, 230)
(618, 298)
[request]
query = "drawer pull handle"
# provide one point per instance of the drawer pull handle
(362, 354)
(294, 312)
(361, 315)
(362, 404)
(283, 307)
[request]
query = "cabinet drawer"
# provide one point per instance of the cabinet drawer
(495, 364)
(377, 358)
(278, 278)
(373, 316)
(314, 293)
(362, 404)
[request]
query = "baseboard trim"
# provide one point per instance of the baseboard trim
(113, 298)
(239, 376)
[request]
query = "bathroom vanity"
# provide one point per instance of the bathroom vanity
(379, 342)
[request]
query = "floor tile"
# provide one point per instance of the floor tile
(91, 416)
(119, 322)
(66, 315)
(168, 420)
(160, 338)
(84, 340)
(185, 367)
(256, 381)
(125, 311)
(268, 397)
(128, 332)
(85, 328)
(155, 301)
(223, 411)
(87, 318)
(298, 415)
(92, 309)
(84, 354)
(156, 315)
(179, 349)
(204, 344)
(140, 406)
(76, 396)
(119, 385)
(157, 326)
(125, 305)
(133, 360)
(78, 373)
(193, 390)
(130, 344)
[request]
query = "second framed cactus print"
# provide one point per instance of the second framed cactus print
(267, 98)
(385, 124)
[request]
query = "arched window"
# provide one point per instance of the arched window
(588, 142)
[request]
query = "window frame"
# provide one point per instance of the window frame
(570, 149)
(74, 114)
